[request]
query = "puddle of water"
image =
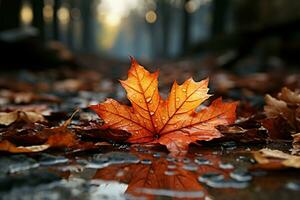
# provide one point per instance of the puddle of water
(104, 160)
(140, 174)
(241, 175)
(146, 162)
(48, 159)
(230, 145)
(217, 180)
(190, 167)
(108, 190)
(294, 185)
(171, 193)
(16, 163)
(202, 161)
(223, 165)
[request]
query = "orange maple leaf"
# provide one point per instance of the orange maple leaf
(172, 122)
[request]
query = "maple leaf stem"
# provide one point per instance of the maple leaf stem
(68, 121)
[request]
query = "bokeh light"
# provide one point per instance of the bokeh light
(151, 16)
(63, 15)
(193, 5)
(48, 13)
(26, 14)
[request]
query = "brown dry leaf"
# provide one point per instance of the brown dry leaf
(275, 108)
(5, 145)
(275, 159)
(57, 137)
(60, 137)
(284, 110)
(289, 96)
(274, 154)
(69, 85)
(57, 140)
(7, 119)
(296, 144)
(278, 128)
(93, 130)
(26, 97)
(37, 108)
(296, 138)
(257, 82)
(292, 162)
(244, 135)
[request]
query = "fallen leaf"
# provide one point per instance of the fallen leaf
(278, 128)
(5, 145)
(283, 114)
(27, 97)
(69, 85)
(275, 107)
(37, 108)
(61, 136)
(244, 135)
(55, 137)
(296, 144)
(93, 130)
(172, 122)
(275, 159)
(289, 96)
(257, 82)
(62, 139)
(296, 138)
(8, 118)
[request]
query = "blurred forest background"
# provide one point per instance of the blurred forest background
(36, 30)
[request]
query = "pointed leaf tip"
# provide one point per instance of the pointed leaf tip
(133, 60)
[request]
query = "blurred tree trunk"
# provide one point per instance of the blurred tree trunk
(219, 15)
(9, 14)
(38, 20)
(154, 38)
(70, 38)
(87, 32)
(185, 28)
(57, 4)
(246, 14)
(164, 12)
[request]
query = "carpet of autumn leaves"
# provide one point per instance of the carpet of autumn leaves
(35, 114)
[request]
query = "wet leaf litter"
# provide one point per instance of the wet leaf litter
(84, 158)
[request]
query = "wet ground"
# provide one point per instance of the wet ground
(222, 170)
(215, 172)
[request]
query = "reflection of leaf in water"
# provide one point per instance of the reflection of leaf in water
(143, 179)
(154, 177)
